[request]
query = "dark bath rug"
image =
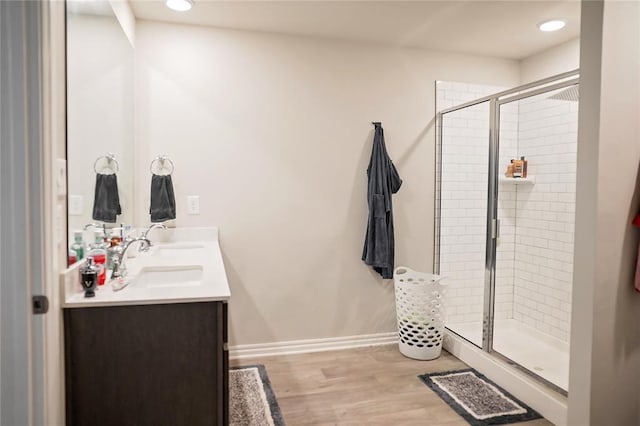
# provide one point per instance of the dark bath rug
(477, 399)
(251, 399)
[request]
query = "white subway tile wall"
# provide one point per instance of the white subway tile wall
(535, 248)
(545, 214)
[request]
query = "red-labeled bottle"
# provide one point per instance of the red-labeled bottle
(99, 254)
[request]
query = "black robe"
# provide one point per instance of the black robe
(383, 180)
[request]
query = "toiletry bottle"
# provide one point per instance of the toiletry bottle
(78, 245)
(99, 255)
(89, 277)
(524, 166)
(73, 258)
(509, 172)
(517, 168)
(98, 240)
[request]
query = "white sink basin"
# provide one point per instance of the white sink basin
(179, 249)
(184, 265)
(169, 276)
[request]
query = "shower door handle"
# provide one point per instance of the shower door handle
(495, 228)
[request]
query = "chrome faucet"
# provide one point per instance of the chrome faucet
(145, 234)
(95, 225)
(119, 269)
(153, 226)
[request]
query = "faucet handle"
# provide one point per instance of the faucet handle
(145, 244)
(118, 268)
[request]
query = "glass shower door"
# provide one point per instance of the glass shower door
(534, 246)
(462, 215)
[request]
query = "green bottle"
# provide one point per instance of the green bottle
(78, 245)
(98, 242)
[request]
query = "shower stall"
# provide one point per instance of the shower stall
(504, 243)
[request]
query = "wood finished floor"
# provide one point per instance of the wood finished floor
(367, 386)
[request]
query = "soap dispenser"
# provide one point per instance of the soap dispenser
(89, 277)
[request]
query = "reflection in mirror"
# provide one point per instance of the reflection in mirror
(99, 118)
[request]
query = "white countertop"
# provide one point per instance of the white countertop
(173, 249)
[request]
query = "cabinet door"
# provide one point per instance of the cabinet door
(145, 365)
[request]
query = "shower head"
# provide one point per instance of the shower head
(571, 93)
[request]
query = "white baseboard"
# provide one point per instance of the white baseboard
(311, 345)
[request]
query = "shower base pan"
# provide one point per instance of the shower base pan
(541, 354)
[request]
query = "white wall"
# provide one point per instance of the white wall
(605, 336)
(562, 58)
(274, 134)
(126, 18)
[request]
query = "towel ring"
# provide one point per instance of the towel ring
(162, 161)
(112, 163)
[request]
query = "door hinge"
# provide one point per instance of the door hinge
(40, 304)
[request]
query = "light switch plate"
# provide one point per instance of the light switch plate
(193, 204)
(61, 176)
(76, 205)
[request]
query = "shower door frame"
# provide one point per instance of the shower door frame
(496, 100)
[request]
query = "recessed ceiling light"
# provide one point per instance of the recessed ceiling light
(552, 25)
(180, 5)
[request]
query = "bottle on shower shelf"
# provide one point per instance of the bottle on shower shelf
(518, 165)
(509, 172)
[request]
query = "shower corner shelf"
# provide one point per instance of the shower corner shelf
(529, 180)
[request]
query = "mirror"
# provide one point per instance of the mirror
(99, 110)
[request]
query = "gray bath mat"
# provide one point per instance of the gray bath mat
(477, 399)
(251, 399)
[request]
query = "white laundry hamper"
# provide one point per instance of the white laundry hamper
(420, 311)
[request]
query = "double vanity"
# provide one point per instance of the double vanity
(151, 347)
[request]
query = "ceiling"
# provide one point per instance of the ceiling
(506, 29)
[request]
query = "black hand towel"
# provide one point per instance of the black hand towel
(163, 202)
(106, 201)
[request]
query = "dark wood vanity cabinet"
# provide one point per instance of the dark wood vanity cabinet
(147, 365)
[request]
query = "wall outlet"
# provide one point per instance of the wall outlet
(76, 205)
(193, 204)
